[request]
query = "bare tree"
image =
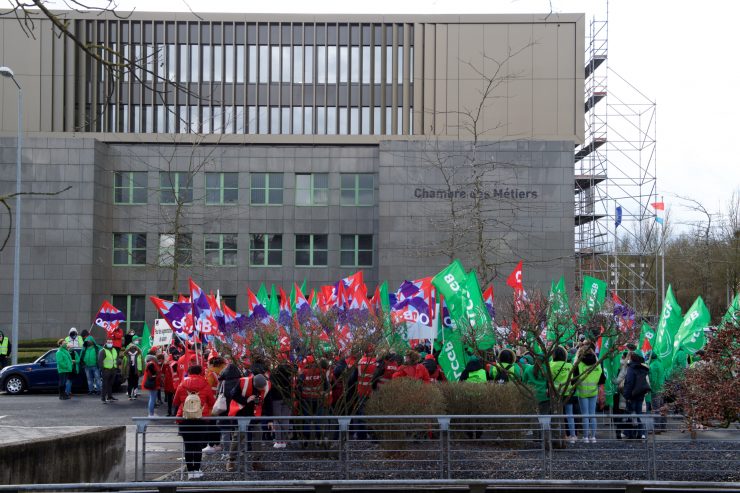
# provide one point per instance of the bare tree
(4, 201)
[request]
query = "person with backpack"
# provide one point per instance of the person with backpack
(507, 368)
(636, 386)
(194, 400)
(89, 361)
(588, 375)
(151, 381)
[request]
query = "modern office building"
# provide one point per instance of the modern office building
(240, 149)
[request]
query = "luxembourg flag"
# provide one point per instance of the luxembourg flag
(659, 212)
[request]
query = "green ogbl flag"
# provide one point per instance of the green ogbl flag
(690, 336)
(732, 316)
(593, 295)
(262, 296)
(560, 327)
(665, 332)
(647, 337)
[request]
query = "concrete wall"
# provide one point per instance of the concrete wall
(96, 455)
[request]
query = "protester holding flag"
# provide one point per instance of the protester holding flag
(657, 383)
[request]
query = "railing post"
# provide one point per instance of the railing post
(140, 430)
(241, 453)
(546, 434)
(344, 445)
(444, 443)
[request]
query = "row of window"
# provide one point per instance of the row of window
(324, 64)
(263, 120)
(265, 250)
(222, 188)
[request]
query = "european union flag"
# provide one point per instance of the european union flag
(618, 216)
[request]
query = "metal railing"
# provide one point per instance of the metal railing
(332, 448)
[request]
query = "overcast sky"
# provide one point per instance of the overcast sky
(682, 55)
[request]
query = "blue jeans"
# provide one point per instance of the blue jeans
(588, 406)
(569, 416)
(637, 427)
(94, 381)
(152, 401)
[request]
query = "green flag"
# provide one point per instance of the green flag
(485, 339)
(385, 301)
(560, 326)
(732, 316)
(593, 295)
(146, 340)
(610, 369)
(647, 337)
(452, 357)
(690, 336)
(292, 298)
(273, 304)
(665, 333)
(262, 296)
(303, 287)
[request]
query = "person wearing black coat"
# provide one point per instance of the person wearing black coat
(634, 392)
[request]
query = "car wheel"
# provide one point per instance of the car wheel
(15, 384)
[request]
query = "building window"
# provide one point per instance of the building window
(129, 248)
(222, 188)
(228, 300)
(133, 306)
(267, 188)
(311, 250)
(356, 251)
(357, 189)
(175, 249)
(312, 189)
(129, 187)
(265, 250)
(220, 249)
(175, 187)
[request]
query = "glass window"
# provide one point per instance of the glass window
(400, 64)
(137, 118)
(252, 53)
(343, 121)
(228, 300)
(308, 120)
(175, 249)
(285, 64)
(129, 187)
(365, 64)
(175, 187)
(312, 189)
(171, 62)
(357, 189)
(194, 63)
(206, 119)
(239, 64)
(365, 120)
(264, 64)
(194, 120)
(275, 64)
(343, 63)
(222, 188)
(229, 63)
(356, 251)
(274, 120)
(184, 65)
(297, 120)
(266, 188)
(220, 249)
(377, 64)
(297, 64)
(129, 248)
(309, 64)
(285, 120)
(331, 120)
(388, 64)
(354, 121)
(411, 64)
(263, 120)
(331, 63)
(207, 69)
(388, 120)
(376, 120)
(320, 120)
(355, 64)
(311, 250)
(133, 306)
(218, 60)
(265, 250)
(321, 64)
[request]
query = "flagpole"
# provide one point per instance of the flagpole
(662, 258)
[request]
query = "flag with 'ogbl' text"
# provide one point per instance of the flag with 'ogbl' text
(690, 335)
(109, 318)
(665, 332)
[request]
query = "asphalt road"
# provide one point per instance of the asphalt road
(45, 409)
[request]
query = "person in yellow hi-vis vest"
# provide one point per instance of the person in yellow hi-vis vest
(588, 375)
(108, 363)
(4, 350)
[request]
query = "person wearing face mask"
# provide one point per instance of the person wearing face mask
(107, 362)
(73, 340)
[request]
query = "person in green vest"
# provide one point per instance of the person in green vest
(561, 371)
(65, 367)
(108, 363)
(89, 362)
(654, 398)
(475, 371)
(132, 366)
(588, 375)
(4, 350)
(507, 369)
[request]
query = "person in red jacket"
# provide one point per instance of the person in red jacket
(117, 337)
(167, 381)
(247, 399)
(151, 381)
(435, 372)
(413, 369)
(387, 366)
(367, 379)
(195, 433)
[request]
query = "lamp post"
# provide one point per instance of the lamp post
(7, 72)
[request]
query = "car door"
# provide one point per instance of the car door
(46, 375)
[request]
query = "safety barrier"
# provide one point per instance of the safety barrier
(330, 448)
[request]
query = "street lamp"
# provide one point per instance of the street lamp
(8, 72)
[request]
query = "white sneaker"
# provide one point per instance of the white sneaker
(572, 439)
(276, 445)
(593, 439)
(209, 450)
(282, 444)
(198, 474)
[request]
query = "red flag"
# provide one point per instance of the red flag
(515, 278)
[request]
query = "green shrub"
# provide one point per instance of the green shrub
(400, 397)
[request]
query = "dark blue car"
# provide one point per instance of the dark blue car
(42, 375)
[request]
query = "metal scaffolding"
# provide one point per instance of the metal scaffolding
(616, 168)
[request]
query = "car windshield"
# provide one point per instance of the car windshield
(50, 357)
